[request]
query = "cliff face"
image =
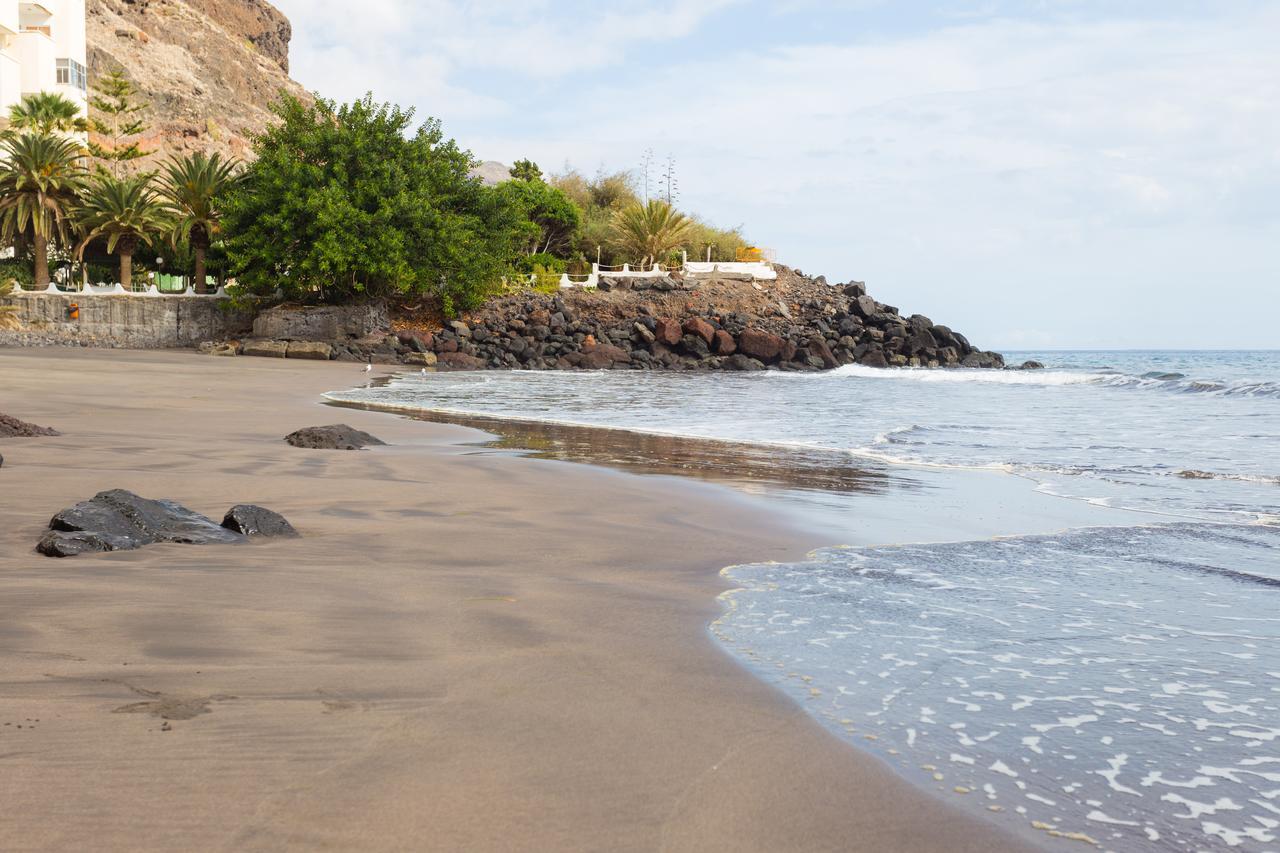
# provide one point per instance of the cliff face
(208, 69)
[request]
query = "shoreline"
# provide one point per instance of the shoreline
(393, 677)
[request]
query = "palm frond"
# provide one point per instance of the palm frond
(650, 230)
(126, 211)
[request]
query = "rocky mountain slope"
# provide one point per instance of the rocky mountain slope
(208, 69)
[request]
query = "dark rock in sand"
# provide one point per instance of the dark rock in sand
(118, 520)
(11, 427)
(253, 521)
(333, 437)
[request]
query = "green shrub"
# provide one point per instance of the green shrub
(12, 269)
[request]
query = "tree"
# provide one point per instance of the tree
(554, 219)
(128, 213)
(342, 202)
(40, 180)
(651, 230)
(526, 170)
(195, 187)
(8, 313)
(46, 113)
(115, 101)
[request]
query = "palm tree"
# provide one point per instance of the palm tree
(128, 212)
(40, 180)
(8, 313)
(650, 230)
(194, 186)
(47, 113)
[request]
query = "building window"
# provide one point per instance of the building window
(72, 73)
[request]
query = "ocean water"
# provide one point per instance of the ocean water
(1114, 683)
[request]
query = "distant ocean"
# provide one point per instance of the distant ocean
(1119, 680)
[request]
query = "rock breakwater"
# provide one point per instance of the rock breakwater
(797, 323)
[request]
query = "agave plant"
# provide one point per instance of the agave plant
(128, 213)
(193, 186)
(40, 179)
(8, 313)
(650, 230)
(46, 113)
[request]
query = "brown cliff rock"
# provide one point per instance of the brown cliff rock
(208, 69)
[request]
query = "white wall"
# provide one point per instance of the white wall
(28, 60)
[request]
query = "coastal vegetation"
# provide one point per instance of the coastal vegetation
(126, 213)
(40, 181)
(340, 203)
(194, 187)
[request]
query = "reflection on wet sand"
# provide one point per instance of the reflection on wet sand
(748, 467)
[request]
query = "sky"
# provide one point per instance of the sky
(1036, 174)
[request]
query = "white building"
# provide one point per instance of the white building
(42, 49)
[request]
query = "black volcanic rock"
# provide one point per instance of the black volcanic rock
(254, 521)
(332, 437)
(11, 427)
(118, 520)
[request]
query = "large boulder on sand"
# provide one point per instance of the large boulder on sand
(332, 437)
(312, 350)
(118, 520)
(266, 349)
(255, 521)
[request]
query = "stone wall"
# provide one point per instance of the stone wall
(134, 322)
(322, 323)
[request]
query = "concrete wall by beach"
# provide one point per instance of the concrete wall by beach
(156, 322)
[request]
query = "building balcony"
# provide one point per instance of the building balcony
(36, 53)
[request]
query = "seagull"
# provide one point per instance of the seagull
(423, 371)
(368, 368)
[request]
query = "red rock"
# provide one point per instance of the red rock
(667, 332)
(701, 328)
(460, 361)
(819, 347)
(602, 357)
(724, 344)
(761, 345)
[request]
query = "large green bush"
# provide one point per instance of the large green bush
(343, 203)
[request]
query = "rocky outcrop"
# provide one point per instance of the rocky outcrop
(118, 520)
(333, 437)
(665, 323)
(672, 323)
(208, 69)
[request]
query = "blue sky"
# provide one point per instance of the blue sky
(1062, 173)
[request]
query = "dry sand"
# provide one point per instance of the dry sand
(466, 651)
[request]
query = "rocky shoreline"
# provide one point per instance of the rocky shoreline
(672, 323)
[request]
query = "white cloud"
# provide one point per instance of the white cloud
(988, 172)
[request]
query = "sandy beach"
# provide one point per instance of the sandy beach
(466, 650)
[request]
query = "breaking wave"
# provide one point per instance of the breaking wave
(1177, 383)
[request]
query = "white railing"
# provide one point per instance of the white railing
(756, 269)
(118, 290)
(759, 270)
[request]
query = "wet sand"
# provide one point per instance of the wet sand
(466, 651)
